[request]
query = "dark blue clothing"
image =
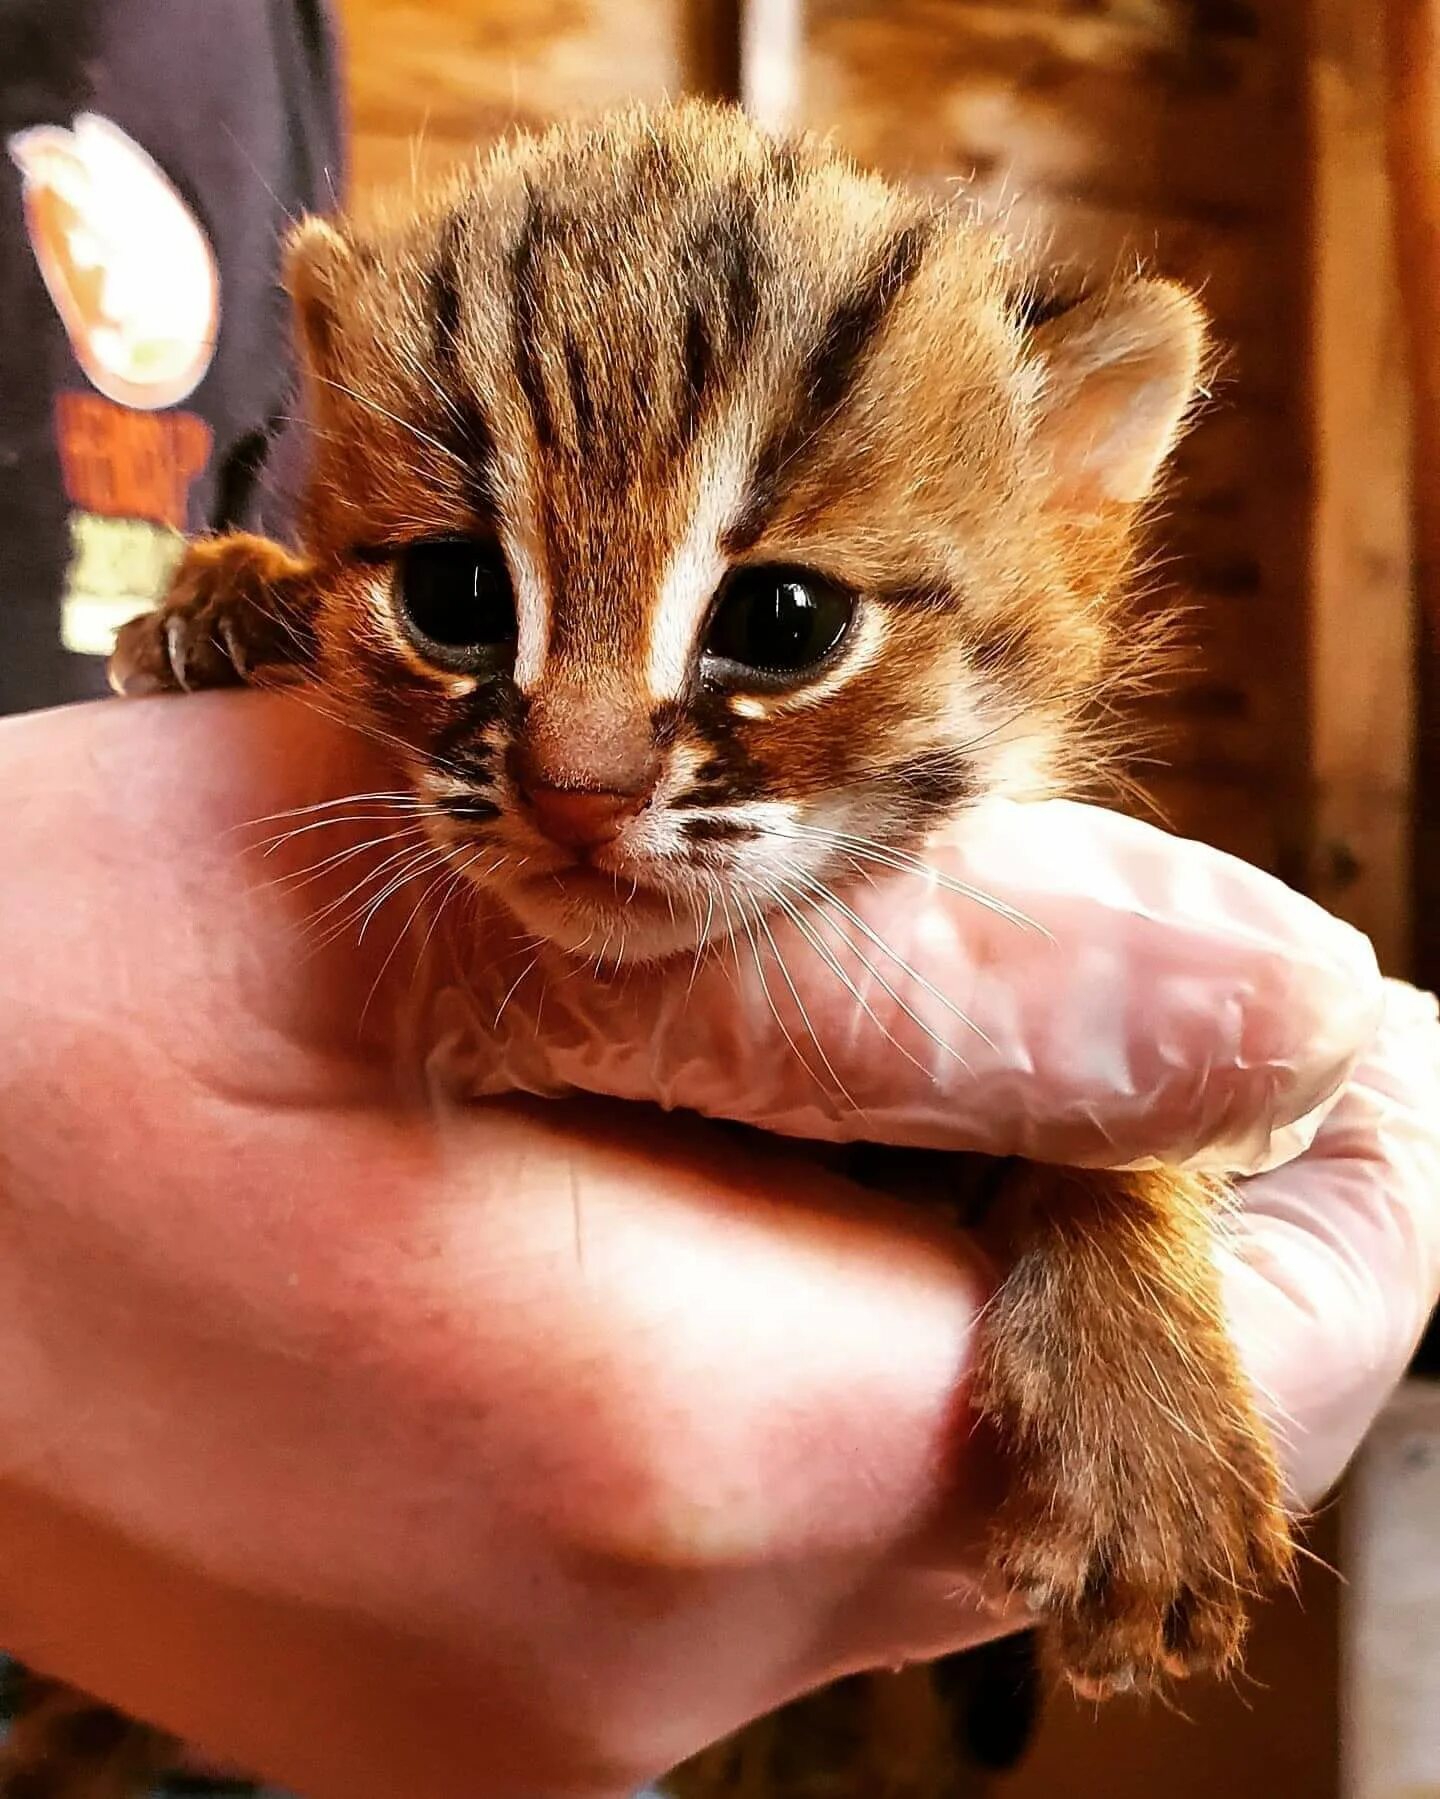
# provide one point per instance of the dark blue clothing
(237, 104)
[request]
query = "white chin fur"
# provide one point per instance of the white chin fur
(624, 935)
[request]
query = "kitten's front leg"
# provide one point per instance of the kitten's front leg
(1147, 1508)
(240, 610)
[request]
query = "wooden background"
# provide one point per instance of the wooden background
(1239, 144)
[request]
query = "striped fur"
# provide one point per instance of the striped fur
(643, 353)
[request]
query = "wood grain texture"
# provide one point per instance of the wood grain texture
(430, 81)
(1361, 635)
(1413, 139)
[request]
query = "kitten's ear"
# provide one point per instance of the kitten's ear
(316, 258)
(1118, 374)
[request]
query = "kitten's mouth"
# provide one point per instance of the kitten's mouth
(607, 886)
(625, 914)
(595, 883)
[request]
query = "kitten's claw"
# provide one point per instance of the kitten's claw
(132, 683)
(176, 628)
(237, 610)
(141, 663)
(235, 650)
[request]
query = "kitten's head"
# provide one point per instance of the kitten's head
(705, 517)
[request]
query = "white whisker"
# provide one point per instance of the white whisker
(514, 986)
(784, 1029)
(420, 436)
(903, 862)
(306, 877)
(841, 973)
(437, 853)
(396, 856)
(412, 862)
(274, 844)
(880, 943)
(822, 901)
(398, 796)
(829, 1066)
(446, 878)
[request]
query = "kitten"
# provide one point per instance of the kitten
(686, 502)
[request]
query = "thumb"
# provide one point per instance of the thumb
(1334, 1267)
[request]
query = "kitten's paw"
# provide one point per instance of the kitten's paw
(1147, 1509)
(236, 607)
(1148, 1572)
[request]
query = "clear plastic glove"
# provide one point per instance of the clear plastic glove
(1335, 1266)
(1059, 982)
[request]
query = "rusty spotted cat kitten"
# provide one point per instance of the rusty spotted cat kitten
(685, 503)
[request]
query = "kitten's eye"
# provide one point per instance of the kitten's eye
(456, 602)
(778, 621)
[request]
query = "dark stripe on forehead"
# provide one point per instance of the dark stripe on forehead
(699, 360)
(828, 377)
(932, 593)
(445, 293)
(720, 270)
(655, 168)
(582, 400)
(525, 280)
(788, 164)
(459, 422)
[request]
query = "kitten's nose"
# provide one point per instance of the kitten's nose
(582, 818)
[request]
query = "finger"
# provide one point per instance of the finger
(1058, 982)
(1336, 1266)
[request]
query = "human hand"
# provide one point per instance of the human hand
(515, 1456)
(327, 1441)
(1071, 986)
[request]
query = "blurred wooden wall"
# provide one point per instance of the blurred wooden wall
(429, 79)
(1238, 144)
(1413, 68)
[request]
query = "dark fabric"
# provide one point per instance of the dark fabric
(237, 102)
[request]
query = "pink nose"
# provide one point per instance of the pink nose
(580, 818)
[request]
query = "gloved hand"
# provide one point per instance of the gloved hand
(1073, 986)
(1335, 1261)
(530, 1447)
